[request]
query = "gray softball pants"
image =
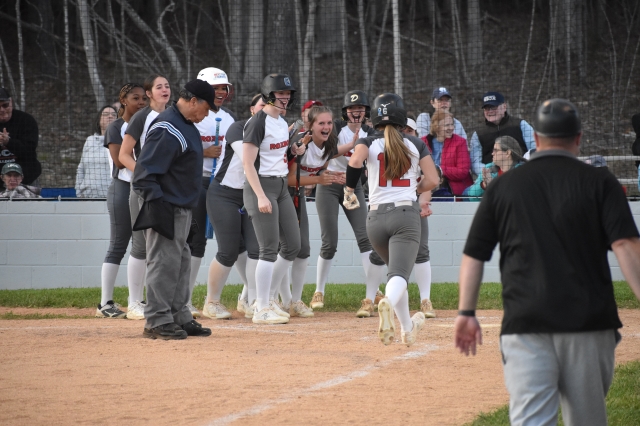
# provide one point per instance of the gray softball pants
(305, 245)
(198, 242)
(328, 199)
(423, 251)
(544, 370)
(394, 233)
(281, 225)
(234, 231)
(119, 220)
(138, 243)
(168, 270)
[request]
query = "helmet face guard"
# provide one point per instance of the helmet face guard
(388, 108)
(356, 98)
(276, 83)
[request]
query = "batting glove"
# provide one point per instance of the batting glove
(350, 199)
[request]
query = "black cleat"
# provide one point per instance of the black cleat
(194, 328)
(169, 331)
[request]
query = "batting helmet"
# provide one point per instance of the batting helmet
(388, 108)
(276, 83)
(356, 98)
(557, 118)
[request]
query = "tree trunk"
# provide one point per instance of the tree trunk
(49, 63)
(253, 52)
(280, 37)
(526, 57)
(363, 42)
(67, 69)
(474, 34)
(343, 35)
(329, 26)
(23, 96)
(92, 62)
(397, 47)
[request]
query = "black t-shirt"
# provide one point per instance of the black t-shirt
(555, 219)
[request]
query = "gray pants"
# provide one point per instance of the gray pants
(328, 199)
(168, 270)
(138, 243)
(423, 251)
(394, 233)
(198, 242)
(234, 231)
(119, 220)
(281, 225)
(305, 245)
(573, 369)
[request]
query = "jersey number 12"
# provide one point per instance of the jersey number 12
(395, 182)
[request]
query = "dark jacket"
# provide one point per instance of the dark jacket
(508, 126)
(21, 149)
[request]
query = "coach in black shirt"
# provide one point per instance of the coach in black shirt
(555, 219)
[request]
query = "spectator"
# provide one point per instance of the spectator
(305, 114)
(19, 138)
(94, 172)
(596, 161)
(12, 178)
(507, 155)
(449, 152)
(411, 129)
(440, 100)
(442, 192)
(498, 122)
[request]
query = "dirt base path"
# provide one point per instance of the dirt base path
(327, 370)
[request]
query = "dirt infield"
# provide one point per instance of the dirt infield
(327, 370)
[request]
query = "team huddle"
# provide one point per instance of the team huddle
(184, 172)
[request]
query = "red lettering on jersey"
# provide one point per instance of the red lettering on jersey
(312, 170)
(279, 145)
(209, 138)
(397, 182)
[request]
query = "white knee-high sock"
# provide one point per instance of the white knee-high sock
(241, 266)
(298, 273)
(396, 292)
(195, 268)
(218, 274)
(252, 264)
(136, 270)
(322, 274)
(374, 275)
(285, 290)
(422, 273)
(280, 267)
(108, 278)
(264, 272)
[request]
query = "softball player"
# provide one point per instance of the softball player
(393, 223)
(132, 98)
(233, 229)
(159, 92)
(355, 111)
(266, 195)
(208, 129)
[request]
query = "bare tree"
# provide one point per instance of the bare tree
(280, 37)
(23, 96)
(67, 70)
(343, 33)
(526, 57)
(363, 42)
(474, 33)
(397, 46)
(328, 28)
(305, 46)
(92, 62)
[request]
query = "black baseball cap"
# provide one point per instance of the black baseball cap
(202, 90)
(4, 94)
(492, 98)
(440, 92)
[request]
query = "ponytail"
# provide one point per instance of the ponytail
(397, 157)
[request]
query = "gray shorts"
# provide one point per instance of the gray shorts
(234, 231)
(138, 243)
(281, 225)
(394, 233)
(423, 251)
(119, 220)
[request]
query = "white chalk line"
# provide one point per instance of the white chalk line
(336, 381)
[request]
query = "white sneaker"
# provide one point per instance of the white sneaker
(196, 313)
(299, 309)
(243, 306)
(268, 316)
(135, 311)
(409, 337)
(248, 313)
(427, 308)
(215, 310)
(387, 326)
(278, 310)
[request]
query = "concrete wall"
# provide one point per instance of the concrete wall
(49, 244)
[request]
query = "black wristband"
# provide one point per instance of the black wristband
(467, 313)
(353, 176)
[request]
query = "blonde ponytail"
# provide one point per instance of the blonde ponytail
(397, 156)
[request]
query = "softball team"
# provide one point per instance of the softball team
(394, 163)
(158, 91)
(132, 98)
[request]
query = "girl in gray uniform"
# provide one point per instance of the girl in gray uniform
(266, 195)
(394, 163)
(159, 92)
(355, 112)
(132, 98)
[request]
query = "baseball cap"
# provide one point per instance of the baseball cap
(440, 92)
(202, 90)
(492, 98)
(596, 161)
(12, 167)
(412, 123)
(4, 94)
(309, 104)
(214, 76)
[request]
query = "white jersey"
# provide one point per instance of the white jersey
(400, 189)
(124, 173)
(271, 135)
(312, 161)
(147, 123)
(207, 129)
(230, 172)
(339, 164)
